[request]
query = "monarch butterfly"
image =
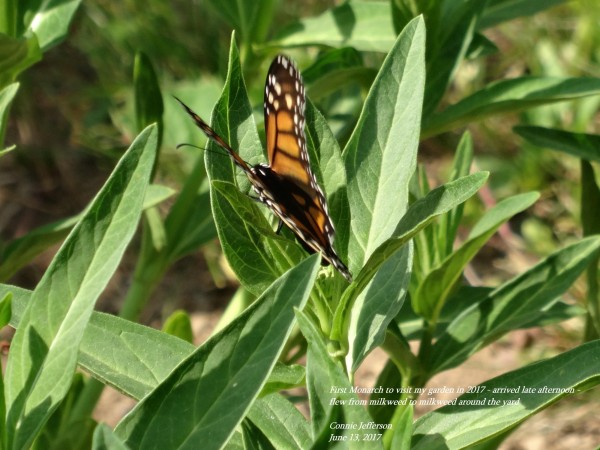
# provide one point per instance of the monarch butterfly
(287, 184)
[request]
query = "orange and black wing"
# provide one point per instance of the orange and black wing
(306, 209)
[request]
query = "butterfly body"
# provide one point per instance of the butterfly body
(287, 184)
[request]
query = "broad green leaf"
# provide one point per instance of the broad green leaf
(16, 55)
(19, 252)
(218, 382)
(363, 25)
(509, 96)
(462, 425)
(325, 382)
(449, 35)
(128, 356)
(376, 306)
(44, 350)
(148, 99)
(179, 324)
(256, 259)
(105, 439)
(581, 145)
(281, 421)
(50, 20)
(419, 215)
(465, 297)
(6, 97)
(511, 305)
(498, 11)
(381, 154)
(432, 293)
(248, 212)
(402, 429)
(133, 358)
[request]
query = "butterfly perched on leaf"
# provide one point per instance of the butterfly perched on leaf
(287, 184)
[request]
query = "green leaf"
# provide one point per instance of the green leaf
(363, 25)
(219, 381)
(133, 358)
(434, 290)
(19, 252)
(284, 377)
(148, 99)
(248, 212)
(179, 324)
(420, 213)
(256, 259)
(376, 306)
(189, 223)
(50, 20)
(498, 11)
(128, 356)
(447, 46)
(6, 97)
(590, 221)
(105, 439)
(464, 425)
(511, 305)
(281, 421)
(581, 145)
(241, 16)
(45, 347)
(16, 55)
(5, 310)
(449, 222)
(402, 429)
(253, 438)
(509, 96)
(327, 382)
(381, 154)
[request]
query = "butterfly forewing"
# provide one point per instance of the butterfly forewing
(284, 104)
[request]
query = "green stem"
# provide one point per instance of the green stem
(8, 18)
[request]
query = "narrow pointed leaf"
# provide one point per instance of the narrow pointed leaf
(512, 304)
(19, 252)
(279, 419)
(433, 292)
(363, 25)
(581, 145)
(105, 439)
(509, 96)
(380, 156)
(218, 382)
(44, 350)
(476, 420)
(324, 374)
(420, 213)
